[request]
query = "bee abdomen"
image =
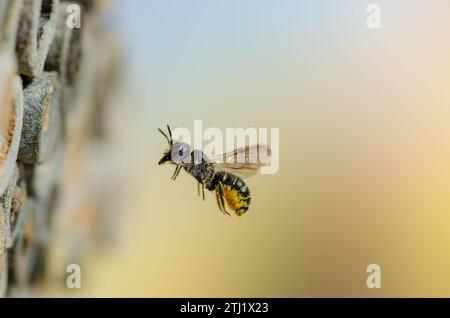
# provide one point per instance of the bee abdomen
(236, 193)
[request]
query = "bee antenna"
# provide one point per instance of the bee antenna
(170, 134)
(164, 134)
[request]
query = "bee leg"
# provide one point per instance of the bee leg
(177, 172)
(221, 198)
(202, 185)
(219, 203)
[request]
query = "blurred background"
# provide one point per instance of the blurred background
(364, 118)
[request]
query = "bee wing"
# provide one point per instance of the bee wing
(243, 171)
(244, 162)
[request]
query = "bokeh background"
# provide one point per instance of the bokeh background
(364, 118)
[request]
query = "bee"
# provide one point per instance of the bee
(223, 175)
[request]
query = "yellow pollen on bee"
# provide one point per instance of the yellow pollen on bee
(234, 198)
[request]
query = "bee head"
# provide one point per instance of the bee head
(178, 152)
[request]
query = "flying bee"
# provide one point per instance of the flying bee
(224, 174)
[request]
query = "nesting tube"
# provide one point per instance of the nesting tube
(40, 119)
(23, 254)
(58, 54)
(11, 202)
(6, 202)
(94, 5)
(65, 54)
(35, 34)
(9, 21)
(11, 110)
(3, 6)
(3, 272)
(4, 230)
